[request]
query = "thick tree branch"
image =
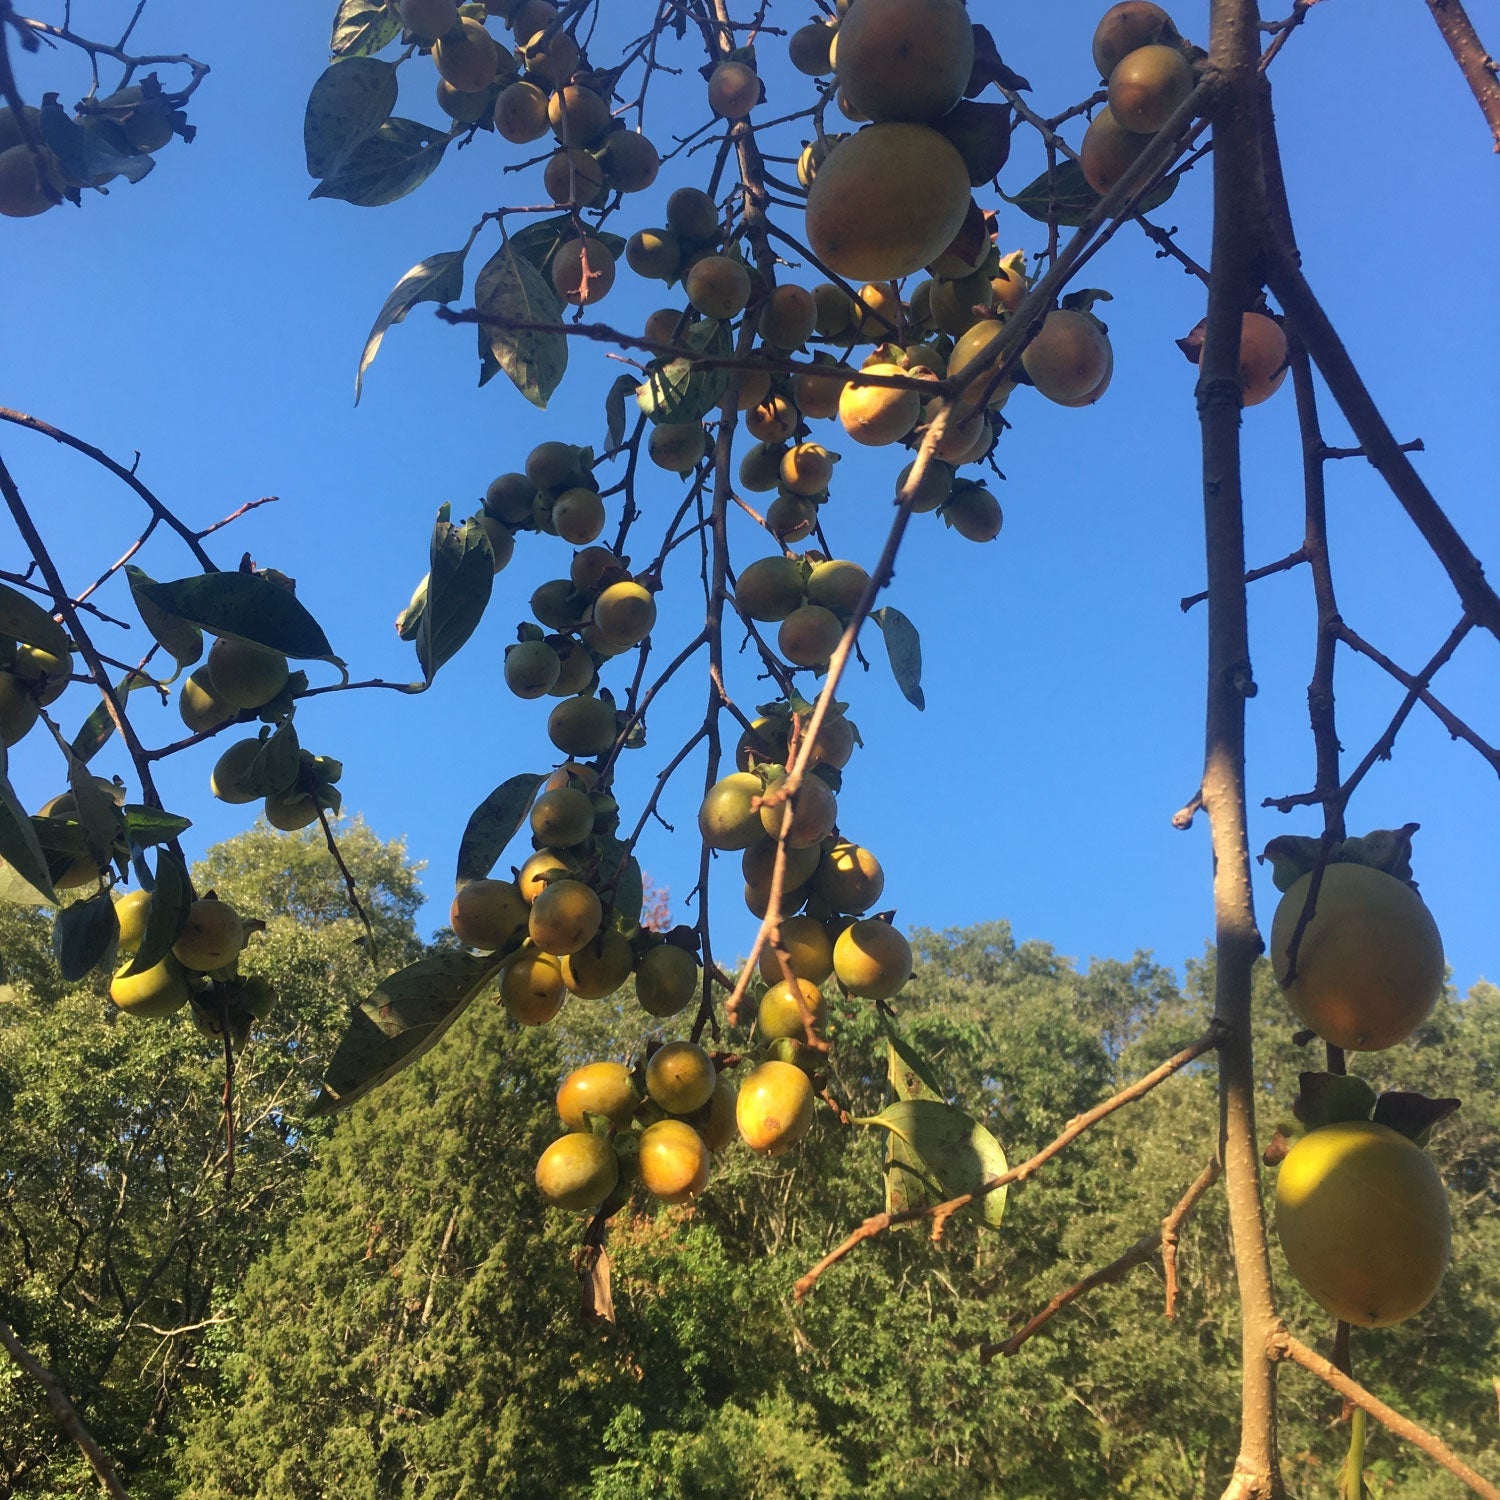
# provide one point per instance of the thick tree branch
(1477, 66)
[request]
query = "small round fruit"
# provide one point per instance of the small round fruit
(837, 584)
(1108, 151)
(760, 468)
(1370, 962)
(693, 215)
(577, 671)
(836, 310)
(575, 285)
(573, 176)
(887, 201)
(672, 1161)
(666, 980)
(624, 614)
(597, 1088)
(244, 674)
(521, 113)
(933, 488)
(718, 287)
(785, 1009)
(290, 811)
(578, 116)
(600, 967)
(849, 878)
(578, 516)
(565, 915)
(1363, 1219)
(872, 959)
(904, 59)
(774, 1109)
(879, 414)
(531, 669)
(788, 317)
(1147, 85)
(728, 817)
(806, 468)
(532, 988)
(812, 810)
(807, 48)
(22, 193)
(534, 874)
(769, 589)
(630, 161)
(733, 90)
(464, 109)
(501, 538)
(677, 446)
(429, 19)
(806, 943)
(577, 1171)
(809, 635)
(468, 57)
(1263, 359)
(212, 937)
(680, 1077)
(772, 421)
(1126, 26)
(510, 498)
(132, 911)
(1068, 357)
(488, 914)
(715, 1121)
(158, 991)
(562, 817)
(817, 394)
(582, 726)
(974, 513)
(226, 780)
(47, 675)
(756, 865)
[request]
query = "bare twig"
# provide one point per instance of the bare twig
(1282, 1346)
(1477, 66)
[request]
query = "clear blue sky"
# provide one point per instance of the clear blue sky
(211, 318)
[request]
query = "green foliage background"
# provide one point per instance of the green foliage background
(381, 1308)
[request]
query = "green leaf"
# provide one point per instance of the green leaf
(676, 390)
(351, 99)
(1331, 1099)
(908, 1186)
(363, 26)
(1412, 1115)
(83, 935)
(166, 916)
(29, 623)
(957, 1152)
(395, 1025)
(273, 770)
(88, 156)
(493, 824)
(394, 161)
(458, 588)
(439, 278)
(145, 826)
(510, 288)
(181, 640)
(245, 607)
(1073, 200)
(621, 869)
(614, 408)
(21, 851)
(904, 647)
(95, 731)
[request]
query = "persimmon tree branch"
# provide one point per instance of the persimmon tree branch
(1282, 1346)
(940, 1213)
(64, 1412)
(1162, 1238)
(1238, 214)
(1477, 66)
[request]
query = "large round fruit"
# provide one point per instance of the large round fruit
(872, 959)
(597, 1088)
(1363, 1220)
(488, 914)
(532, 988)
(244, 674)
(156, 992)
(672, 1161)
(775, 1108)
(1147, 85)
(786, 1009)
(904, 59)
(1068, 357)
(728, 818)
(1370, 963)
(680, 1077)
(600, 967)
(887, 201)
(565, 916)
(212, 937)
(806, 942)
(1126, 26)
(577, 1171)
(666, 980)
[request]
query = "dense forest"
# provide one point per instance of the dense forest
(382, 1307)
